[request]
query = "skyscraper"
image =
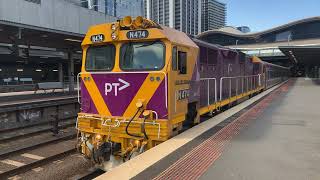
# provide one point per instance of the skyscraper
(118, 8)
(183, 15)
(213, 15)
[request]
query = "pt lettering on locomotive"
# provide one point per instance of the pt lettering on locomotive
(114, 87)
(183, 94)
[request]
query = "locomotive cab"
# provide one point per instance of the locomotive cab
(135, 87)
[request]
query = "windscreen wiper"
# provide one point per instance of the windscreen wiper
(147, 44)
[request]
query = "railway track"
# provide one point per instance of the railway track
(22, 153)
(33, 124)
(89, 174)
(33, 129)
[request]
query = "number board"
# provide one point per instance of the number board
(182, 94)
(139, 34)
(97, 38)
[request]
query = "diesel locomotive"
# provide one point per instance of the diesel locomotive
(142, 83)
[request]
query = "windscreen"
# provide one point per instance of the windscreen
(100, 58)
(142, 56)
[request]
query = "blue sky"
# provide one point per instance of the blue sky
(264, 14)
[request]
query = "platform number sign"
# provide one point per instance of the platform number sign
(97, 38)
(139, 34)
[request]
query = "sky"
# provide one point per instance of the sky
(261, 15)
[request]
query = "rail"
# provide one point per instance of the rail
(238, 84)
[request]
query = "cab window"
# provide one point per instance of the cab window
(182, 62)
(100, 58)
(142, 56)
(174, 59)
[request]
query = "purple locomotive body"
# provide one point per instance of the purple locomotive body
(222, 73)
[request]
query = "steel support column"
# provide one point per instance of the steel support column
(60, 69)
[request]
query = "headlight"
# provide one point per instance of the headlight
(114, 36)
(98, 137)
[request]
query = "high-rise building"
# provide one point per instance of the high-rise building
(117, 8)
(213, 15)
(183, 15)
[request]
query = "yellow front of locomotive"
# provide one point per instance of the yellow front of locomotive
(126, 90)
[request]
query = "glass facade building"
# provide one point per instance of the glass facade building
(183, 15)
(213, 15)
(117, 8)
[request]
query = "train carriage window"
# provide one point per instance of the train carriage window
(182, 62)
(174, 59)
(100, 58)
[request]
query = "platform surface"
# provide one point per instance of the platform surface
(283, 142)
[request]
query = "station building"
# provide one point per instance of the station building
(293, 44)
(40, 41)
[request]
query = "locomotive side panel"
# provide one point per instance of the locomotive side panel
(231, 69)
(210, 72)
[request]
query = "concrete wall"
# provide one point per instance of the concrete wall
(53, 14)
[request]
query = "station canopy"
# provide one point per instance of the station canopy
(307, 55)
(36, 41)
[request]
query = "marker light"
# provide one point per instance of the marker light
(114, 36)
(113, 27)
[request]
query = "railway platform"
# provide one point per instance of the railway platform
(274, 135)
(31, 95)
(23, 109)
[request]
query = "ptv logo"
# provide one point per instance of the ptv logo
(109, 87)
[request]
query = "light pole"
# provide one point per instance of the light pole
(289, 38)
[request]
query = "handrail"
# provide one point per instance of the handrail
(215, 88)
(249, 87)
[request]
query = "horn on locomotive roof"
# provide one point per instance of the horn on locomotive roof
(138, 22)
(126, 21)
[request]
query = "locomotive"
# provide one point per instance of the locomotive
(142, 83)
